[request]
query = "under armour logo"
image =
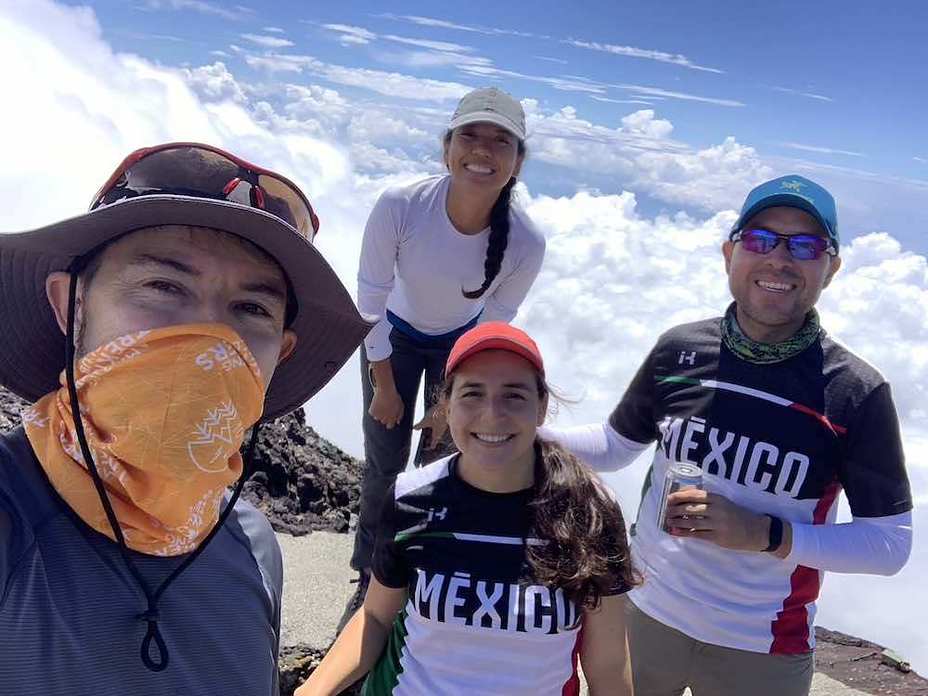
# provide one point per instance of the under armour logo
(437, 514)
(688, 358)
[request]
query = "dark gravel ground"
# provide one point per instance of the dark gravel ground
(303, 483)
(860, 664)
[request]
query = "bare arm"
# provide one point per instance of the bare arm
(604, 653)
(359, 645)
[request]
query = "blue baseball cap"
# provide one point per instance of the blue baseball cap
(793, 191)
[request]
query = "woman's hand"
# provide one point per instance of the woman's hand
(386, 406)
(359, 645)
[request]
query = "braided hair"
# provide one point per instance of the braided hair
(499, 240)
(499, 230)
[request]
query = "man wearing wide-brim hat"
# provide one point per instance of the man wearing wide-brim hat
(151, 334)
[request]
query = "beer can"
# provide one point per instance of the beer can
(679, 477)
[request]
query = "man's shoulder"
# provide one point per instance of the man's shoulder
(696, 335)
(22, 481)
(841, 363)
(251, 528)
(254, 526)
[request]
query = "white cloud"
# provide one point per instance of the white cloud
(822, 150)
(443, 46)
(921, 160)
(431, 59)
(207, 8)
(642, 155)
(267, 41)
(445, 24)
(549, 59)
(387, 83)
(808, 95)
(348, 34)
(648, 54)
(214, 83)
(644, 123)
(569, 84)
(613, 278)
(659, 92)
(273, 30)
(609, 100)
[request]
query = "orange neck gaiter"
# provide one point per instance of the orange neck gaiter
(164, 413)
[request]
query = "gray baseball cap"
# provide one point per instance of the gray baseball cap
(490, 105)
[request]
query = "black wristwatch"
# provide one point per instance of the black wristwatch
(776, 534)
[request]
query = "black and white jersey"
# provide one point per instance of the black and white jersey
(475, 622)
(782, 439)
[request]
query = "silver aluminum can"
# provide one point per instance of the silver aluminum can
(679, 477)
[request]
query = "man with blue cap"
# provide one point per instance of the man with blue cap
(778, 418)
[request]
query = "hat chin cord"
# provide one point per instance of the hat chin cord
(150, 615)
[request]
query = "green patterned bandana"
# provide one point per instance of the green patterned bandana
(767, 353)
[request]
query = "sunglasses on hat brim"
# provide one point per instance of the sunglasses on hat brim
(802, 247)
(204, 171)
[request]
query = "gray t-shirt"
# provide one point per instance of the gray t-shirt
(69, 606)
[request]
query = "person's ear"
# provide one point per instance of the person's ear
(57, 291)
(518, 168)
(542, 410)
(835, 264)
(728, 249)
(287, 345)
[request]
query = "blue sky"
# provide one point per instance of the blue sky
(836, 90)
(648, 123)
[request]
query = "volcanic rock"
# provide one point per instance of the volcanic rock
(297, 662)
(303, 482)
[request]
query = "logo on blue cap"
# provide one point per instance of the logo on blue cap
(793, 191)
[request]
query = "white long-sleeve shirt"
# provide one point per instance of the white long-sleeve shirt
(415, 263)
(877, 545)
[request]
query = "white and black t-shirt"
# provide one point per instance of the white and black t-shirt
(783, 439)
(475, 622)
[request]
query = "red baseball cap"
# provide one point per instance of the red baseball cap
(494, 335)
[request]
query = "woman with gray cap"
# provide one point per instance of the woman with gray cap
(438, 256)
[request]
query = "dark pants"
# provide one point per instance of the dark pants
(386, 451)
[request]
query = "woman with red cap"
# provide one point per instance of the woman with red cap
(490, 564)
(438, 256)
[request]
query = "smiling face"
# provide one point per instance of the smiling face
(494, 409)
(176, 274)
(482, 156)
(774, 291)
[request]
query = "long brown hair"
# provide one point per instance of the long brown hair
(586, 552)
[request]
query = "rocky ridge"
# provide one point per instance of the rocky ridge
(303, 483)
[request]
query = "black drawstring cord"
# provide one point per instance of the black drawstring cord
(150, 615)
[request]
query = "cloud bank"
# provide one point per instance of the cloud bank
(613, 279)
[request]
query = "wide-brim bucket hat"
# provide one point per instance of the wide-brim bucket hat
(327, 324)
